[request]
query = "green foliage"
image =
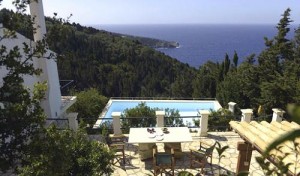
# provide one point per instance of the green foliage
(196, 122)
(115, 65)
(185, 173)
(235, 59)
(21, 116)
(207, 78)
(294, 111)
(172, 118)
(66, 152)
(144, 116)
(241, 86)
(153, 43)
(135, 117)
(88, 105)
(24, 143)
(118, 66)
(220, 151)
(272, 62)
(219, 120)
(226, 65)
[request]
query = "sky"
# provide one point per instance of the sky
(95, 12)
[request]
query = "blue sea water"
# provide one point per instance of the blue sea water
(200, 43)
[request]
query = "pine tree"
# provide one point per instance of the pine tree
(235, 59)
(226, 64)
(275, 91)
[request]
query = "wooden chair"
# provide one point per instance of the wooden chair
(146, 150)
(201, 155)
(163, 162)
(177, 149)
(117, 144)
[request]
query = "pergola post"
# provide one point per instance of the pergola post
(203, 122)
(246, 115)
(160, 121)
(116, 122)
(277, 115)
(244, 158)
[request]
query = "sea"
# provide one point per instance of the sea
(200, 43)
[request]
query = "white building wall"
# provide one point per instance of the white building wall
(54, 95)
(52, 102)
(10, 43)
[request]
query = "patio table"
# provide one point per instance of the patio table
(147, 141)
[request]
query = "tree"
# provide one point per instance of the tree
(25, 144)
(139, 116)
(21, 116)
(66, 152)
(206, 81)
(89, 105)
(272, 65)
(240, 86)
(226, 65)
(172, 117)
(235, 59)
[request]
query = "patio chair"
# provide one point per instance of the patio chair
(117, 144)
(163, 162)
(201, 155)
(146, 150)
(177, 149)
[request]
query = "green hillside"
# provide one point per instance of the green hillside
(115, 65)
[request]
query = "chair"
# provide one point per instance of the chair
(146, 150)
(117, 144)
(162, 162)
(201, 155)
(177, 149)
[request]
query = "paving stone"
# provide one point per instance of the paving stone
(233, 160)
(135, 161)
(233, 166)
(231, 150)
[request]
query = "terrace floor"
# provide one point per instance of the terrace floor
(135, 167)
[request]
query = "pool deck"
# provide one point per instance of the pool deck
(135, 167)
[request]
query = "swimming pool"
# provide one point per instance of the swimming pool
(185, 107)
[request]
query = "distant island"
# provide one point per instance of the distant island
(151, 42)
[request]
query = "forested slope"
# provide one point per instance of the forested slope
(115, 65)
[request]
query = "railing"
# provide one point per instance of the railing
(193, 124)
(221, 123)
(267, 118)
(65, 86)
(161, 98)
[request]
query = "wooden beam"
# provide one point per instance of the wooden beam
(244, 158)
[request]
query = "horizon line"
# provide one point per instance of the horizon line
(145, 24)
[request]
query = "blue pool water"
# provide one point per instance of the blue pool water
(185, 107)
